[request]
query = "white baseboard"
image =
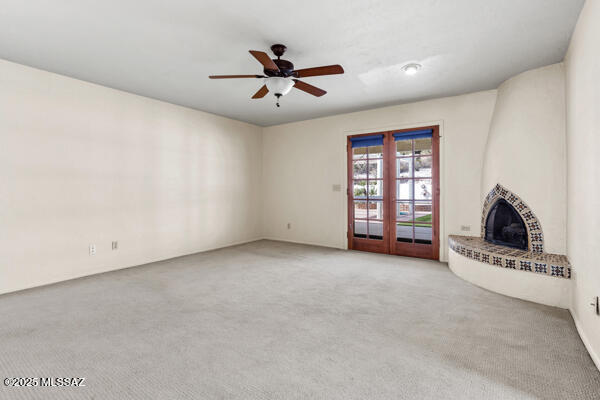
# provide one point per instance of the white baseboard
(83, 274)
(303, 242)
(586, 342)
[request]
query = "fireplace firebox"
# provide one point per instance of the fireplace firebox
(504, 226)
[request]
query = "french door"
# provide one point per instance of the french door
(393, 192)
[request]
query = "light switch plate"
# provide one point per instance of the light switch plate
(336, 187)
(92, 249)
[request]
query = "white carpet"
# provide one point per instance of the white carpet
(271, 320)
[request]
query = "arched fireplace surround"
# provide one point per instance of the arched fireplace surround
(533, 226)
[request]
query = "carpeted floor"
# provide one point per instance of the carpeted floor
(271, 320)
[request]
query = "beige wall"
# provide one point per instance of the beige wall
(302, 160)
(583, 190)
(83, 164)
(526, 148)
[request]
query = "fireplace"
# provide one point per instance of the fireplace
(504, 226)
(512, 222)
(511, 239)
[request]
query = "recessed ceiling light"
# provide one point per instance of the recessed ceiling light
(411, 69)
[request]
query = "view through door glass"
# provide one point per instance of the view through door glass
(367, 186)
(414, 191)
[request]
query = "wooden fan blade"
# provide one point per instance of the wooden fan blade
(318, 71)
(234, 76)
(315, 91)
(264, 59)
(261, 92)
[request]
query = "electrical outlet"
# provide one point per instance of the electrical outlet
(92, 249)
(289, 225)
(115, 245)
(465, 228)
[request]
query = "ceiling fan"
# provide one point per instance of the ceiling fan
(280, 75)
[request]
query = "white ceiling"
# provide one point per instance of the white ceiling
(165, 49)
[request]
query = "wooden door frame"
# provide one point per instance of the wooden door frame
(430, 251)
(367, 244)
(391, 246)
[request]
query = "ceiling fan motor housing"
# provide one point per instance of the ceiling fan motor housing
(286, 69)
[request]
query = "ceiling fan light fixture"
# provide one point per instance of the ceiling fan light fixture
(412, 68)
(278, 85)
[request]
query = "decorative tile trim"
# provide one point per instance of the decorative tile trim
(476, 248)
(534, 228)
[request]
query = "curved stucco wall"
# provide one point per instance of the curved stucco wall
(526, 153)
(542, 289)
(526, 150)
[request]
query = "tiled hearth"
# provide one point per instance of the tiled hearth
(534, 260)
(504, 257)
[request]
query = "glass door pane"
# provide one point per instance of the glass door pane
(423, 222)
(404, 218)
(367, 192)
